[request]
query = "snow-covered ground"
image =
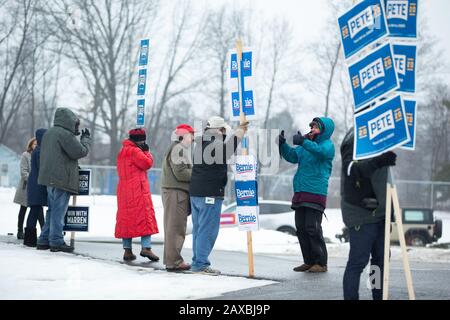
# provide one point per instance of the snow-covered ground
(103, 213)
(28, 274)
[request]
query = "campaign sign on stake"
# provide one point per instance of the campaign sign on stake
(140, 113)
(84, 182)
(405, 65)
(373, 76)
(76, 219)
(246, 81)
(411, 119)
(142, 82)
(401, 16)
(380, 129)
(143, 52)
(248, 218)
(363, 24)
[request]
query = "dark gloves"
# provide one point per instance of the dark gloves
(298, 139)
(281, 139)
(386, 159)
(85, 133)
(144, 147)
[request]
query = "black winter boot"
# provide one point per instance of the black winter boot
(30, 237)
(20, 234)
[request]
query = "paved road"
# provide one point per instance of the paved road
(431, 280)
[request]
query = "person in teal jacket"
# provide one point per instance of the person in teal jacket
(314, 154)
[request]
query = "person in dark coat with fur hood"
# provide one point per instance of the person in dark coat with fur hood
(36, 194)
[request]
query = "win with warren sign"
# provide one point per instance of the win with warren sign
(373, 76)
(380, 129)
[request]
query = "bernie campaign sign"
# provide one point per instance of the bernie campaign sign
(405, 65)
(76, 219)
(411, 120)
(401, 16)
(142, 82)
(246, 186)
(140, 113)
(246, 82)
(373, 76)
(380, 129)
(143, 52)
(362, 25)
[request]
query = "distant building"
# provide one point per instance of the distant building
(9, 167)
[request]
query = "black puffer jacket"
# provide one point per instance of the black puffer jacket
(209, 173)
(361, 180)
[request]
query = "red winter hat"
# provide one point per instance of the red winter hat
(182, 129)
(137, 135)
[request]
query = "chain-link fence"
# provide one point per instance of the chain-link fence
(427, 194)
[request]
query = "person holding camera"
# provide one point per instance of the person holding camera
(59, 155)
(135, 211)
(314, 156)
(363, 205)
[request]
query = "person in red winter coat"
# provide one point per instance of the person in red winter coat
(135, 214)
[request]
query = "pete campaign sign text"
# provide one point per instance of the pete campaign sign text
(373, 76)
(380, 129)
(362, 25)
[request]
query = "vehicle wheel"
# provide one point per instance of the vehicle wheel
(416, 240)
(288, 230)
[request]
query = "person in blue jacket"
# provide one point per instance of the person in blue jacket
(314, 154)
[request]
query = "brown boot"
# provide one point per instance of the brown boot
(147, 253)
(318, 268)
(128, 255)
(304, 267)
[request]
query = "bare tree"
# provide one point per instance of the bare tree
(18, 18)
(224, 27)
(102, 44)
(183, 49)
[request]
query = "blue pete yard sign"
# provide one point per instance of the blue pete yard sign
(405, 64)
(401, 16)
(411, 120)
(362, 25)
(373, 76)
(380, 129)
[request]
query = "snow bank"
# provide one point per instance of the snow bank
(48, 275)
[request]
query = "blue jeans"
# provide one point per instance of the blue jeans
(365, 241)
(146, 242)
(205, 228)
(52, 232)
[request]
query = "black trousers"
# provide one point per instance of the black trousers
(36, 214)
(21, 218)
(308, 222)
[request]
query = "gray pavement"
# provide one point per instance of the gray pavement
(431, 280)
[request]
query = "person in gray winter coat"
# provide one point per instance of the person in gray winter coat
(60, 152)
(20, 196)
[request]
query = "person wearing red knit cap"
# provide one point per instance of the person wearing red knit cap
(135, 214)
(175, 178)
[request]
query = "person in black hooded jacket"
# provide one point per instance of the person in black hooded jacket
(363, 205)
